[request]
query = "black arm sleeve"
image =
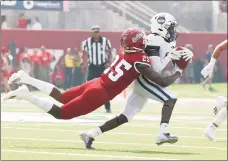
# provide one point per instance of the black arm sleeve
(152, 50)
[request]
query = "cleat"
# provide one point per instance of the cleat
(20, 78)
(87, 139)
(21, 93)
(166, 138)
(210, 133)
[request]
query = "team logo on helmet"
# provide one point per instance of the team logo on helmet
(137, 37)
(161, 19)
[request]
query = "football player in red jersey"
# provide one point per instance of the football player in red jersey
(220, 109)
(81, 100)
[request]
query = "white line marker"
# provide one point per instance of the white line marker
(114, 143)
(83, 155)
(173, 127)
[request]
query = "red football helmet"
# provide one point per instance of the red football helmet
(133, 40)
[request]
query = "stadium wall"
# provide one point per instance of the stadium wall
(56, 39)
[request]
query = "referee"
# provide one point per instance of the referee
(99, 55)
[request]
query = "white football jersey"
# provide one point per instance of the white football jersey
(161, 61)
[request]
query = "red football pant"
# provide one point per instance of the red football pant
(83, 99)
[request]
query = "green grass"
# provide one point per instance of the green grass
(136, 140)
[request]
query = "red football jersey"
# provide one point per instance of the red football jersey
(123, 72)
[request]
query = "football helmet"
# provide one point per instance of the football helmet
(165, 25)
(133, 40)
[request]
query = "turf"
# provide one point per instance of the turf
(50, 140)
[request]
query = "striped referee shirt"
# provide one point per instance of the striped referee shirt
(97, 50)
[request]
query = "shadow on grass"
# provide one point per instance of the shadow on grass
(135, 151)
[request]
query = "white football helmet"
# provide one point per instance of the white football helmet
(164, 24)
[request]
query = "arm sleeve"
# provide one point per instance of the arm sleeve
(152, 50)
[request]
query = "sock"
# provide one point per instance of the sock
(163, 128)
(222, 116)
(43, 104)
(41, 85)
(95, 132)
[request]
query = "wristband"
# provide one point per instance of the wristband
(213, 60)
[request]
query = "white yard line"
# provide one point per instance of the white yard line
(109, 133)
(83, 155)
(130, 124)
(173, 127)
(12, 109)
(114, 143)
(91, 118)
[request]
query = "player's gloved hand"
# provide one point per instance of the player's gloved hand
(178, 69)
(175, 55)
(187, 54)
(208, 70)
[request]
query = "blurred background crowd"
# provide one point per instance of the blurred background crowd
(70, 66)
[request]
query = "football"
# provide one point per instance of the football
(182, 63)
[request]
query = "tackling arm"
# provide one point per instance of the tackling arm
(157, 78)
(208, 70)
(219, 48)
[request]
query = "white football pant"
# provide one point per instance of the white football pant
(144, 89)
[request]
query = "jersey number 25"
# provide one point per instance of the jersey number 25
(118, 72)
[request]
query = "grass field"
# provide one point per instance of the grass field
(28, 133)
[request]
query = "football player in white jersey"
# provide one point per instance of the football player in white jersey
(221, 108)
(161, 48)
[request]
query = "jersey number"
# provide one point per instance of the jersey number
(146, 59)
(118, 72)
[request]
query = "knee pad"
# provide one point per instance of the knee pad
(170, 103)
(221, 102)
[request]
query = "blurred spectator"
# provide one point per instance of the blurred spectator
(29, 24)
(36, 24)
(36, 62)
(208, 80)
(26, 64)
(5, 68)
(22, 21)
(78, 76)
(85, 61)
(23, 51)
(98, 49)
(45, 68)
(223, 6)
(68, 68)
(4, 24)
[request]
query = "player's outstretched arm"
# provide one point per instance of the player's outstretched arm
(219, 48)
(157, 78)
(208, 70)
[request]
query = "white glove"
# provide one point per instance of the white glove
(187, 54)
(208, 70)
(177, 69)
(175, 55)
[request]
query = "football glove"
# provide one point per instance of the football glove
(208, 70)
(175, 55)
(187, 54)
